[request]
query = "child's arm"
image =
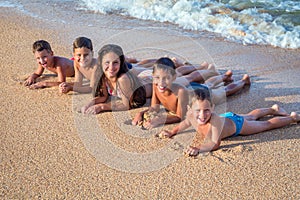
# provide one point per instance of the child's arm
(181, 107)
(94, 106)
(138, 117)
(172, 118)
(61, 78)
(121, 105)
(180, 127)
(155, 102)
(212, 134)
(31, 79)
(207, 147)
(76, 86)
(65, 87)
(86, 89)
(155, 106)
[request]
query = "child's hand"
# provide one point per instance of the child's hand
(192, 151)
(137, 119)
(64, 87)
(95, 109)
(30, 80)
(152, 123)
(84, 108)
(165, 134)
(37, 85)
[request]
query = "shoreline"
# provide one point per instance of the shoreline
(45, 152)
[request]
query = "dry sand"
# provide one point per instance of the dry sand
(49, 151)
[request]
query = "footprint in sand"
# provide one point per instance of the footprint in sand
(238, 149)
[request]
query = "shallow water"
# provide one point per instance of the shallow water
(260, 22)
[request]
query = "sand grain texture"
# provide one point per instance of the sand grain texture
(43, 154)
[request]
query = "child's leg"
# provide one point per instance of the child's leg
(218, 95)
(131, 59)
(261, 112)
(200, 76)
(136, 69)
(215, 81)
(253, 127)
(186, 69)
(237, 85)
(146, 63)
(178, 62)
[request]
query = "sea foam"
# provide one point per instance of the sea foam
(265, 22)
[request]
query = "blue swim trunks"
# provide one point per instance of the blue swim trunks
(238, 120)
(195, 85)
(129, 65)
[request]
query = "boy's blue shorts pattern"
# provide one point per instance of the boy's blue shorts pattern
(238, 120)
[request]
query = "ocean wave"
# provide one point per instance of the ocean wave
(266, 22)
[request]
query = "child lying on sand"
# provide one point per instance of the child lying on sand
(85, 66)
(212, 128)
(169, 91)
(61, 66)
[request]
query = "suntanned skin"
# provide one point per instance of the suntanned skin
(61, 66)
(84, 66)
(212, 128)
(172, 96)
(111, 66)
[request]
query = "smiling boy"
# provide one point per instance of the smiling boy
(45, 58)
(212, 128)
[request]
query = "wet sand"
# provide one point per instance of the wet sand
(49, 151)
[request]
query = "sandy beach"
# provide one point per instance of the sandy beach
(49, 151)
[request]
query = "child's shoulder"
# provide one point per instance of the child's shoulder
(60, 61)
(123, 78)
(177, 88)
(64, 59)
(215, 118)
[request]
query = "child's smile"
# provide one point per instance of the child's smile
(162, 80)
(43, 57)
(111, 64)
(202, 111)
(83, 56)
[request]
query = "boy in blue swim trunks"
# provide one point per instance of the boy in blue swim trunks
(212, 128)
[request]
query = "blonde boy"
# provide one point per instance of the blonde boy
(212, 128)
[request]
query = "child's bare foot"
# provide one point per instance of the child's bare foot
(178, 62)
(246, 79)
(295, 116)
(211, 67)
(227, 77)
(191, 151)
(279, 111)
(131, 60)
(203, 65)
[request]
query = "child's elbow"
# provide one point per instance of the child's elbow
(216, 146)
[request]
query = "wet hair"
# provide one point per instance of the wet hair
(201, 93)
(81, 42)
(165, 64)
(138, 97)
(40, 45)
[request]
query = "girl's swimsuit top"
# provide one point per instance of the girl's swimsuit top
(113, 92)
